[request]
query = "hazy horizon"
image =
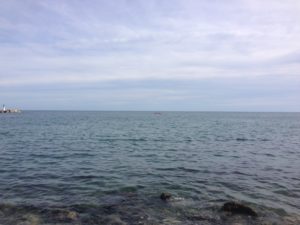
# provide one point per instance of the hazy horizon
(150, 55)
(152, 110)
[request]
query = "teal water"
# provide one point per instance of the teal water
(124, 160)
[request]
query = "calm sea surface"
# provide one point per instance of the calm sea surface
(111, 167)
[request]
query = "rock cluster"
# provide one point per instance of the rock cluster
(238, 208)
(165, 196)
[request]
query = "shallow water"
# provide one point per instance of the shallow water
(110, 167)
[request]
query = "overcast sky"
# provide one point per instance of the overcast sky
(210, 55)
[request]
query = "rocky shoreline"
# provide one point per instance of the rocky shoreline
(131, 209)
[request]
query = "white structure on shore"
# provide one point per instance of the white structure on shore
(4, 110)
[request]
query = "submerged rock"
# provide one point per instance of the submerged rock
(114, 220)
(64, 215)
(237, 208)
(165, 196)
(291, 220)
(29, 219)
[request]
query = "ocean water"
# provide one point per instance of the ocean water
(67, 167)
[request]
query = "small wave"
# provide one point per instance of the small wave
(122, 139)
(287, 193)
(166, 168)
(269, 155)
(222, 139)
(240, 173)
(252, 139)
(243, 139)
(82, 155)
(124, 191)
(188, 169)
(264, 139)
(83, 177)
(130, 189)
(6, 133)
(178, 168)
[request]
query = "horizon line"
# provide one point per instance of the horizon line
(132, 110)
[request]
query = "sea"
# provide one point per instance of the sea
(101, 167)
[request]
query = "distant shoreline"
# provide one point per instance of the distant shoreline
(10, 111)
(152, 111)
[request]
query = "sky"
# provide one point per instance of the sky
(183, 55)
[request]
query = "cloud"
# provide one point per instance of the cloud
(71, 42)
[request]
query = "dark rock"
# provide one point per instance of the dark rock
(165, 196)
(237, 208)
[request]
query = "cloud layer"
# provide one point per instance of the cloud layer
(121, 54)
